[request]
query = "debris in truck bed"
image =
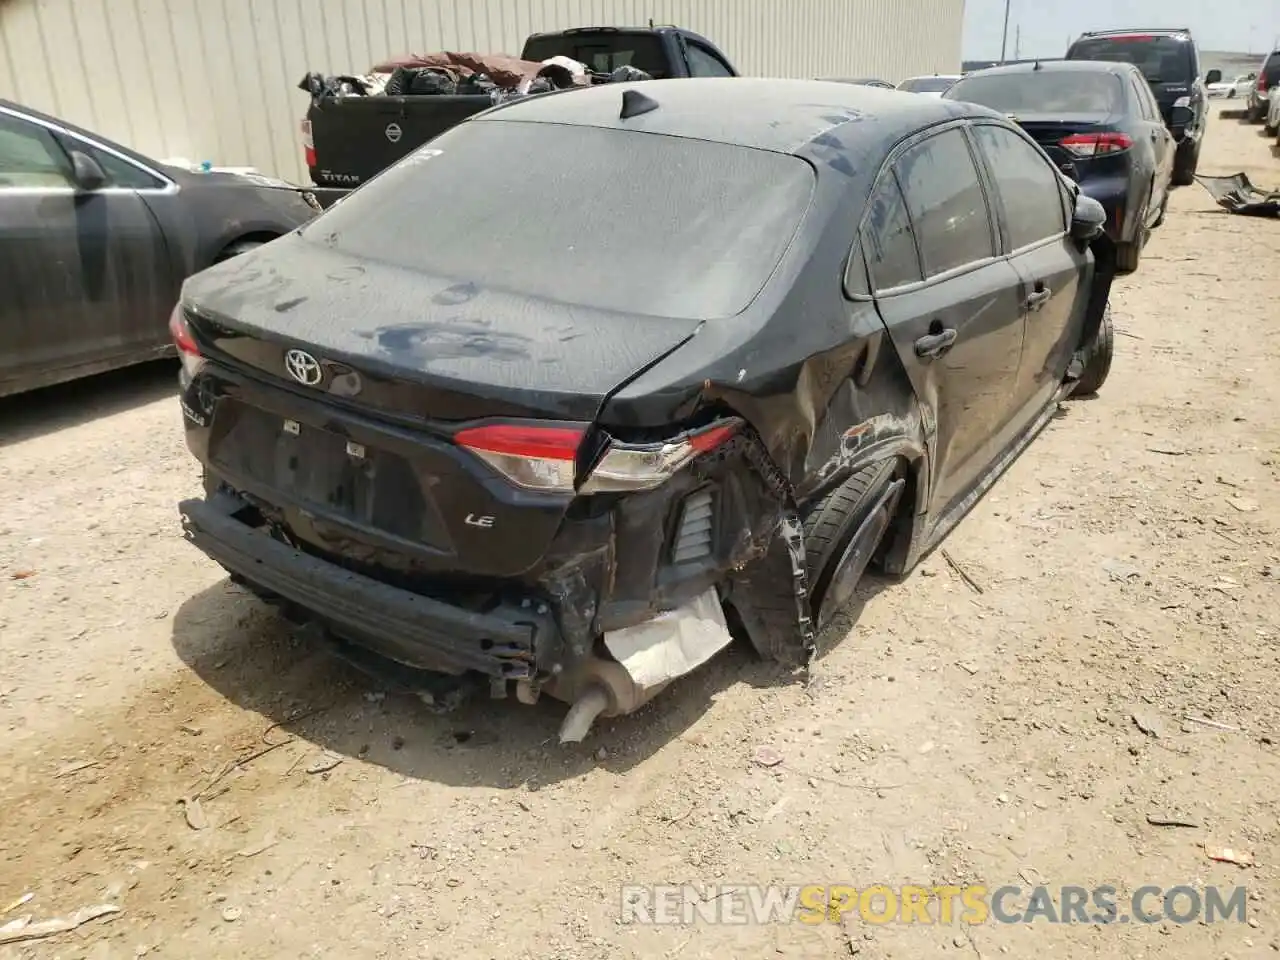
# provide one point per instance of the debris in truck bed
(495, 75)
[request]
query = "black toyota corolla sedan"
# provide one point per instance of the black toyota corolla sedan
(96, 239)
(565, 426)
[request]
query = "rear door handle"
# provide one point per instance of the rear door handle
(935, 345)
(1038, 299)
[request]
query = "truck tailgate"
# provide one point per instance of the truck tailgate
(357, 137)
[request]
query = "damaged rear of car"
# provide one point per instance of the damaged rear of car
(557, 426)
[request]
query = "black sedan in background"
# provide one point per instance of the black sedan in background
(95, 241)
(565, 455)
(1100, 124)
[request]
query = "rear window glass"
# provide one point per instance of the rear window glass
(1043, 92)
(605, 219)
(1161, 59)
(603, 52)
(1271, 69)
(926, 84)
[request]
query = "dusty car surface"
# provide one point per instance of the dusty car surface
(95, 241)
(560, 427)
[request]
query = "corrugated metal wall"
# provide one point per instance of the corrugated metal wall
(217, 79)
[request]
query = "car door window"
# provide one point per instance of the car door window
(1031, 191)
(121, 172)
(945, 200)
(704, 63)
(1146, 102)
(29, 156)
(888, 239)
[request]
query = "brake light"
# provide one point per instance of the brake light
(188, 350)
(1262, 83)
(1096, 144)
(1131, 36)
(308, 144)
(544, 456)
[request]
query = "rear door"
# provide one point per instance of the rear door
(952, 306)
(1162, 145)
(1035, 210)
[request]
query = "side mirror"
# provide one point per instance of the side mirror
(1213, 76)
(88, 173)
(1089, 219)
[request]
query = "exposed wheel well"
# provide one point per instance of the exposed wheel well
(891, 556)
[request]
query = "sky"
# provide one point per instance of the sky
(1237, 25)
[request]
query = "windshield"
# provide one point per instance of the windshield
(1161, 59)
(599, 218)
(603, 52)
(927, 84)
(1065, 91)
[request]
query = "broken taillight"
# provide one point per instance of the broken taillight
(308, 144)
(188, 350)
(544, 456)
(1096, 144)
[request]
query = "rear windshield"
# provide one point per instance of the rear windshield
(600, 218)
(926, 84)
(1042, 92)
(1161, 59)
(603, 52)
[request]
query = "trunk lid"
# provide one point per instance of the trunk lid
(1049, 130)
(417, 347)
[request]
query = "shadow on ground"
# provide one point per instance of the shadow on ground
(260, 662)
(28, 416)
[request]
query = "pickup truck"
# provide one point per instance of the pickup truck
(349, 139)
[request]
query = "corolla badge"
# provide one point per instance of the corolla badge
(394, 132)
(303, 367)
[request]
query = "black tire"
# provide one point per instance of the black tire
(1185, 162)
(1269, 130)
(1096, 356)
(235, 249)
(831, 524)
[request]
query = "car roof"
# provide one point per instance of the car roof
(1055, 66)
(47, 120)
(783, 116)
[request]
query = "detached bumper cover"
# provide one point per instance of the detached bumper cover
(403, 626)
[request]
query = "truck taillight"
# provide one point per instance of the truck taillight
(544, 456)
(308, 144)
(1262, 83)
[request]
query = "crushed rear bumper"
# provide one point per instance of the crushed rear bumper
(400, 625)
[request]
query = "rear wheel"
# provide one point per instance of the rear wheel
(1269, 128)
(844, 530)
(1185, 162)
(1095, 357)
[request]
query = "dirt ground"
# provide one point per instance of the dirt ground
(1125, 576)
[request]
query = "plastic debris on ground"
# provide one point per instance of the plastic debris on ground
(1237, 194)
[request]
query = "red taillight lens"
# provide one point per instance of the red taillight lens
(533, 456)
(1262, 84)
(308, 143)
(1096, 144)
(544, 456)
(188, 350)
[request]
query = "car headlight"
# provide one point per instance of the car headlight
(1182, 102)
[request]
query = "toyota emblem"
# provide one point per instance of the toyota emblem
(394, 133)
(303, 367)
